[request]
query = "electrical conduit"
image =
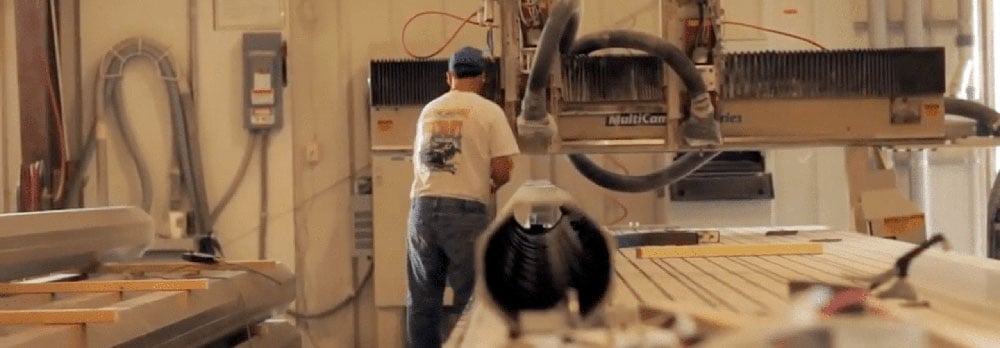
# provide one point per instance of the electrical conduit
(110, 96)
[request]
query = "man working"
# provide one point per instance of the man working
(462, 154)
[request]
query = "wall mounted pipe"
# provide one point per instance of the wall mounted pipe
(919, 165)
(913, 23)
(878, 23)
(965, 42)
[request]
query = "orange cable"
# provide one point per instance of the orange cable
(620, 205)
(614, 160)
(451, 38)
(779, 32)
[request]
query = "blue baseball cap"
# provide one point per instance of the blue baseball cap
(467, 62)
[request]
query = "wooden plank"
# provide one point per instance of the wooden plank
(169, 267)
(623, 294)
(753, 284)
(762, 265)
(638, 279)
(804, 266)
(727, 291)
(106, 286)
(762, 277)
(671, 286)
(66, 301)
(729, 250)
(58, 316)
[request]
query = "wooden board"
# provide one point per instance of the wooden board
(53, 316)
(729, 250)
(105, 286)
(748, 290)
(259, 265)
(58, 316)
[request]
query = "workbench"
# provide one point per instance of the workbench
(151, 304)
(730, 293)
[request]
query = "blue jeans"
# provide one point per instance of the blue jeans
(441, 245)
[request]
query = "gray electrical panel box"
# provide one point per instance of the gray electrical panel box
(263, 80)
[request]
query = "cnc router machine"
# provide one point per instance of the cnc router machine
(620, 91)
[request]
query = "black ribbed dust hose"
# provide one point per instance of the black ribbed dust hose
(682, 167)
(535, 268)
(653, 45)
(987, 124)
(688, 72)
(557, 36)
(987, 119)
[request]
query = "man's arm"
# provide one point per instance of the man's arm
(503, 147)
(500, 168)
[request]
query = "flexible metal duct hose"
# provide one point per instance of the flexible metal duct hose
(534, 268)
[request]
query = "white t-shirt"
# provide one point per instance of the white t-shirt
(457, 135)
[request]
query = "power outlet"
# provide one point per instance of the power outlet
(312, 153)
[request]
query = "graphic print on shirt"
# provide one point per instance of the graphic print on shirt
(443, 140)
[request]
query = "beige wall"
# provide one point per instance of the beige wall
(218, 108)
